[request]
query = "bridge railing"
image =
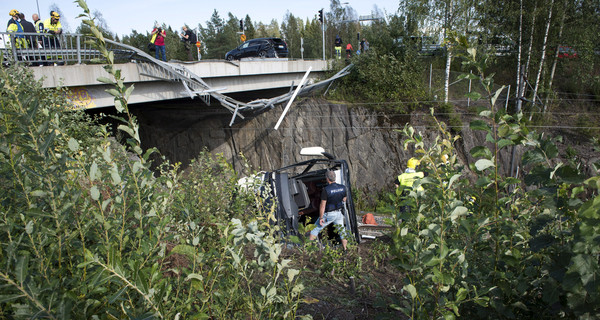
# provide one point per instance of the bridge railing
(47, 49)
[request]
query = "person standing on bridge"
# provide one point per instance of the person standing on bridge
(14, 26)
(28, 27)
(189, 38)
(52, 26)
(159, 42)
(333, 198)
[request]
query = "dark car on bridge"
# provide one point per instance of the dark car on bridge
(259, 48)
(296, 191)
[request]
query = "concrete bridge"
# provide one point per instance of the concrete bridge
(156, 80)
(222, 76)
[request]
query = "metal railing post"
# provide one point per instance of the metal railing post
(13, 44)
(78, 49)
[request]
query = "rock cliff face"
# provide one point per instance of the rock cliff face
(371, 142)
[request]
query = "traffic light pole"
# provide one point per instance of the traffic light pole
(323, 28)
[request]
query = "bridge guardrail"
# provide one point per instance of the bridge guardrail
(48, 49)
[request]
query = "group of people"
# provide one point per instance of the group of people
(158, 36)
(51, 27)
(364, 47)
(18, 24)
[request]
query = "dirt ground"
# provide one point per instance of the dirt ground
(377, 285)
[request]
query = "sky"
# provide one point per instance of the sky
(123, 16)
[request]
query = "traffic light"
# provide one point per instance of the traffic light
(321, 15)
(241, 25)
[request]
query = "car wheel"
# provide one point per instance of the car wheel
(229, 58)
(262, 54)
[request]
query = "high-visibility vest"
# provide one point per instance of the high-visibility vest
(408, 178)
(15, 27)
(39, 26)
(48, 26)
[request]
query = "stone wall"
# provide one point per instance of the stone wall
(371, 142)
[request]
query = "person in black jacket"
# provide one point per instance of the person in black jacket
(28, 27)
(189, 38)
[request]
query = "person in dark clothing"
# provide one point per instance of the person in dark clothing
(28, 27)
(338, 47)
(189, 38)
(333, 197)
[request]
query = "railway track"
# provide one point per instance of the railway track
(370, 231)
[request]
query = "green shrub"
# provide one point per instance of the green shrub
(89, 231)
(498, 247)
(383, 78)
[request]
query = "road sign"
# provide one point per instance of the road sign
(243, 37)
(198, 44)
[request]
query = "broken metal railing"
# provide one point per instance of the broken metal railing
(45, 49)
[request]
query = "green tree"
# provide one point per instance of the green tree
(249, 26)
(291, 31)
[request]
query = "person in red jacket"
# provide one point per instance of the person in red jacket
(159, 41)
(349, 50)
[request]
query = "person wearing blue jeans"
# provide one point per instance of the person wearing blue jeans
(333, 197)
(159, 42)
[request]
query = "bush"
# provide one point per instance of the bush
(498, 247)
(383, 78)
(89, 231)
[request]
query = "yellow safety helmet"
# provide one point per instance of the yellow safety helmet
(55, 15)
(13, 12)
(413, 163)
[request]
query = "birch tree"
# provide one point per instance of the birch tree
(542, 58)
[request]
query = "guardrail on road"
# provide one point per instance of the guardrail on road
(47, 49)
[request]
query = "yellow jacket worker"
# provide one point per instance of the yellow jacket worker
(52, 25)
(409, 176)
(15, 27)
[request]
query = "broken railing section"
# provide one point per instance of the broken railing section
(194, 86)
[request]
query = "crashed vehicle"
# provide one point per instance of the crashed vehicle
(297, 192)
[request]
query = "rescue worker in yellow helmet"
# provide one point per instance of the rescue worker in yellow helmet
(406, 180)
(411, 174)
(52, 25)
(14, 26)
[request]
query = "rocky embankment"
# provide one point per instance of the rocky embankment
(370, 141)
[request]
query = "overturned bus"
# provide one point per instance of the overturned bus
(296, 189)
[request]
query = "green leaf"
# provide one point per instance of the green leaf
(47, 142)
(73, 145)
(10, 297)
(93, 171)
(29, 227)
(114, 92)
(128, 92)
(411, 290)
(292, 273)
(117, 295)
(504, 142)
(461, 294)
(94, 193)
(38, 193)
(473, 95)
(496, 95)
(481, 152)
(127, 129)
(194, 276)
(458, 212)
(483, 164)
(479, 125)
(105, 80)
(22, 268)
(533, 156)
(114, 174)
